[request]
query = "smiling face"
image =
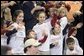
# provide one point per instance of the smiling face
(41, 17)
(20, 17)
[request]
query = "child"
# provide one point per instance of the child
(42, 29)
(17, 39)
(63, 20)
(56, 40)
(32, 35)
(31, 47)
(6, 50)
(72, 48)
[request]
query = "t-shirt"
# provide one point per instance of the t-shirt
(17, 39)
(77, 51)
(39, 30)
(57, 49)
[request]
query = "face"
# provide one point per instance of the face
(51, 12)
(32, 34)
(71, 45)
(57, 28)
(63, 12)
(41, 17)
(20, 17)
(34, 49)
(74, 33)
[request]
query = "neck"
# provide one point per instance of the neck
(40, 23)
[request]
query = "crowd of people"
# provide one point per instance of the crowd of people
(41, 28)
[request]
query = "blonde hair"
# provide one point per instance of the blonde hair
(63, 10)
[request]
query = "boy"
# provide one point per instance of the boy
(72, 48)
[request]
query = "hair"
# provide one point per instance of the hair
(39, 12)
(71, 31)
(68, 7)
(16, 13)
(59, 4)
(52, 30)
(63, 9)
(69, 40)
(28, 32)
(4, 50)
(25, 49)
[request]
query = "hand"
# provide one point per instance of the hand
(10, 28)
(55, 43)
(79, 25)
(12, 3)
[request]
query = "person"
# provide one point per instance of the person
(6, 50)
(32, 35)
(17, 38)
(42, 29)
(72, 33)
(72, 48)
(56, 39)
(6, 11)
(31, 47)
(63, 19)
(29, 8)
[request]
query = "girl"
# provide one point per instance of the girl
(17, 39)
(56, 39)
(42, 29)
(32, 35)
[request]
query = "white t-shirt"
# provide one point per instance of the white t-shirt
(77, 51)
(17, 39)
(39, 29)
(4, 39)
(57, 49)
(63, 22)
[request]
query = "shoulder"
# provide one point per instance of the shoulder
(63, 18)
(35, 26)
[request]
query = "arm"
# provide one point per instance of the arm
(63, 22)
(43, 39)
(8, 34)
(8, 4)
(37, 8)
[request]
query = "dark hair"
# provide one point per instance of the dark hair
(69, 40)
(25, 49)
(39, 12)
(68, 7)
(4, 50)
(71, 31)
(28, 32)
(52, 31)
(16, 13)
